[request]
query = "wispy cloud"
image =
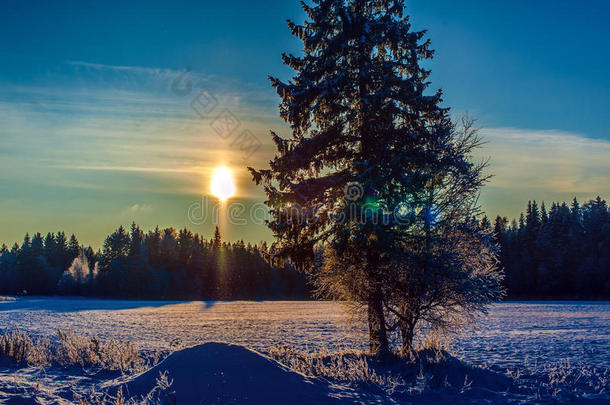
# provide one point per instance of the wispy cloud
(561, 161)
(123, 119)
(132, 169)
(543, 165)
(138, 208)
(137, 69)
(119, 130)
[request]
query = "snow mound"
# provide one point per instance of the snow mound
(218, 373)
(7, 299)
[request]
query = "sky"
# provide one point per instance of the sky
(109, 109)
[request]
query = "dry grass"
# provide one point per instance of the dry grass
(362, 368)
(563, 381)
(430, 367)
(70, 349)
(349, 366)
(18, 346)
(159, 395)
(400, 377)
(90, 352)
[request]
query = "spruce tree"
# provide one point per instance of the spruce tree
(50, 249)
(137, 240)
(365, 139)
(116, 245)
(544, 216)
(217, 241)
(61, 251)
(37, 245)
(73, 248)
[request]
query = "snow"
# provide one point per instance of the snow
(542, 332)
(217, 373)
(548, 341)
(170, 325)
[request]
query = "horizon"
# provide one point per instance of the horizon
(239, 213)
(100, 131)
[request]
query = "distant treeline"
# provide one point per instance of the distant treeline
(161, 264)
(562, 252)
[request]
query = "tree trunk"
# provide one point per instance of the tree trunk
(378, 338)
(407, 332)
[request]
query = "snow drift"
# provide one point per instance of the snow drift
(218, 373)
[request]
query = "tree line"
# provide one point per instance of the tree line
(160, 264)
(562, 252)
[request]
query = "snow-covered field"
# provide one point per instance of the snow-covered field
(513, 333)
(520, 335)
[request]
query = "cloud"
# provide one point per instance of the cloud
(136, 208)
(557, 160)
(546, 165)
(120, 127)
(102, 66)
(132, 169)
(102, 127)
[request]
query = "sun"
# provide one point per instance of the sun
(223, 186)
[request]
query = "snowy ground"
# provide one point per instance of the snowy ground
(526, 336)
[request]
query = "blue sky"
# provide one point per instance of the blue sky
(94, 137)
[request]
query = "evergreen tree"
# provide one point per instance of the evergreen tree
(544, 217)
(117, 245)
(37, 245)
(217, 241)
(73, 250)
(50, 249)
(485, 223)
(152, 244)
(26, 245)
(595, 221)
(501, 233)
(136, 240)
(168, 250)
(532, 227)
(364, 139)
(61, 251)
(9, 277)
